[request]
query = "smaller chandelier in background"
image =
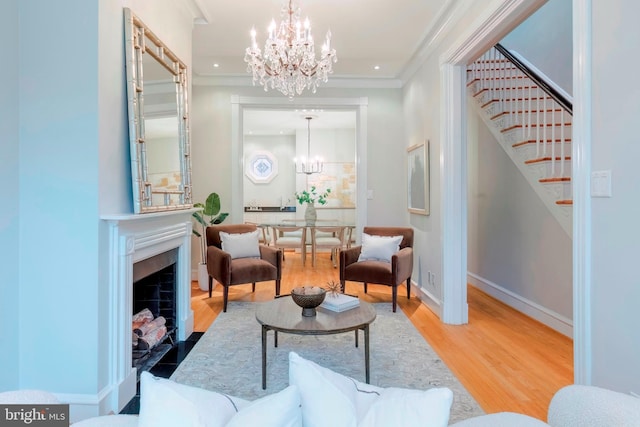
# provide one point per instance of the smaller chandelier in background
(289, 62)
(308, 165)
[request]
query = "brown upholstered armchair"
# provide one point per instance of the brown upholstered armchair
(392, 273)
(230, 271)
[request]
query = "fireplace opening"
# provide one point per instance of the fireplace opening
(154, 293)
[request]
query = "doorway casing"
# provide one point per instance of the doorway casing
(487, 31)
(240, 103)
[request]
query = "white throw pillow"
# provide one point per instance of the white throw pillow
(165, 403)
(330, 399)
(281, 409)
(379, 248)
(241, 245)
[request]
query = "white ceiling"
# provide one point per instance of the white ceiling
(285, 122)
(365, 33)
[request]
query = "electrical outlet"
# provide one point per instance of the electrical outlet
(431, 278)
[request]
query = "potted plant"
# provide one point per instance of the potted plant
(310, 197)
(209, 215)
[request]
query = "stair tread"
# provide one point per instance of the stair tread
(501, 60)
(533, 141)
(517, 76)
(545, 159)
(556, 179)
(514, 99)
(550, 110)
(510, 88)
(534, 126)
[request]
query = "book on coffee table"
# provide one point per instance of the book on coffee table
(340, 302)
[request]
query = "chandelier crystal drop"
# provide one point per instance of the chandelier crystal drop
(308, 165)
(289, 62)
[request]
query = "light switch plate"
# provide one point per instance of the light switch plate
(601, 184)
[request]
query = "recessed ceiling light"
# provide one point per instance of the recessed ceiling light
(216, 65)
(376, 67)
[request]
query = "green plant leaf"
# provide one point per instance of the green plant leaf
(199, 218)
(220, 218)
(212, 205)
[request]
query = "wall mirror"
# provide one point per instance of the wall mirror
(158, 121)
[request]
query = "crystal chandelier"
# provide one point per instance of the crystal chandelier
(307, 165)
(289, 61)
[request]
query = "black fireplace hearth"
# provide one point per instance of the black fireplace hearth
(154, 288)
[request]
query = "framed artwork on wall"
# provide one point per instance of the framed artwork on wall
(418, 178)
(261, 167)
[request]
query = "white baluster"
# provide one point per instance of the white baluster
(503, 82)
(544, 127)
(553, 143)
(511, 98)
(538, 107)
(562, 142)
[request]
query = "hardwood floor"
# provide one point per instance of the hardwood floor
(506, 360)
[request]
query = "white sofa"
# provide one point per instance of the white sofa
(319, 397)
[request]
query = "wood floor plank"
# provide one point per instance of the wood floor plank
(506, 360)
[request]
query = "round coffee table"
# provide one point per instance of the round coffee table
(284, 315)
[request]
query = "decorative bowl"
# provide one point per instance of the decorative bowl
(308, 297)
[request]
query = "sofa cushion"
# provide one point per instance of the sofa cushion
(379, 248)
(330, 399)
(166, 403)
(241, 245)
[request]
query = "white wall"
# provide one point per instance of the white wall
(10, 208)
(68, 165)
(58, 195)
(615, 231)
(545, 40)
(282, 186)
(513, 241)
(211, 149)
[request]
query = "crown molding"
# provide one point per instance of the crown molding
(447, 16)
(334, 82)
(198, 11)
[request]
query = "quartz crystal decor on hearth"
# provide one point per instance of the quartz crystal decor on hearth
(288, 62)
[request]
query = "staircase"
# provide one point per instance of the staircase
(531, 121)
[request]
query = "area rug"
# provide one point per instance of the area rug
(228, 358)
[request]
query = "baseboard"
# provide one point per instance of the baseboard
(110, 399)
(536, 311)
(427, 298)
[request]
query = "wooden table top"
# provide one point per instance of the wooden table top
(284, 315)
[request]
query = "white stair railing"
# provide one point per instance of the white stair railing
(525, 105)
(532, 120)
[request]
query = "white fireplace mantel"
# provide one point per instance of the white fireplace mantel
(132, 238)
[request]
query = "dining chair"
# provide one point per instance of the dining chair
(291, 237)
(327, 237)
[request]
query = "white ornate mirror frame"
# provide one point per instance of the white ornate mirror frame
(158, 121)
